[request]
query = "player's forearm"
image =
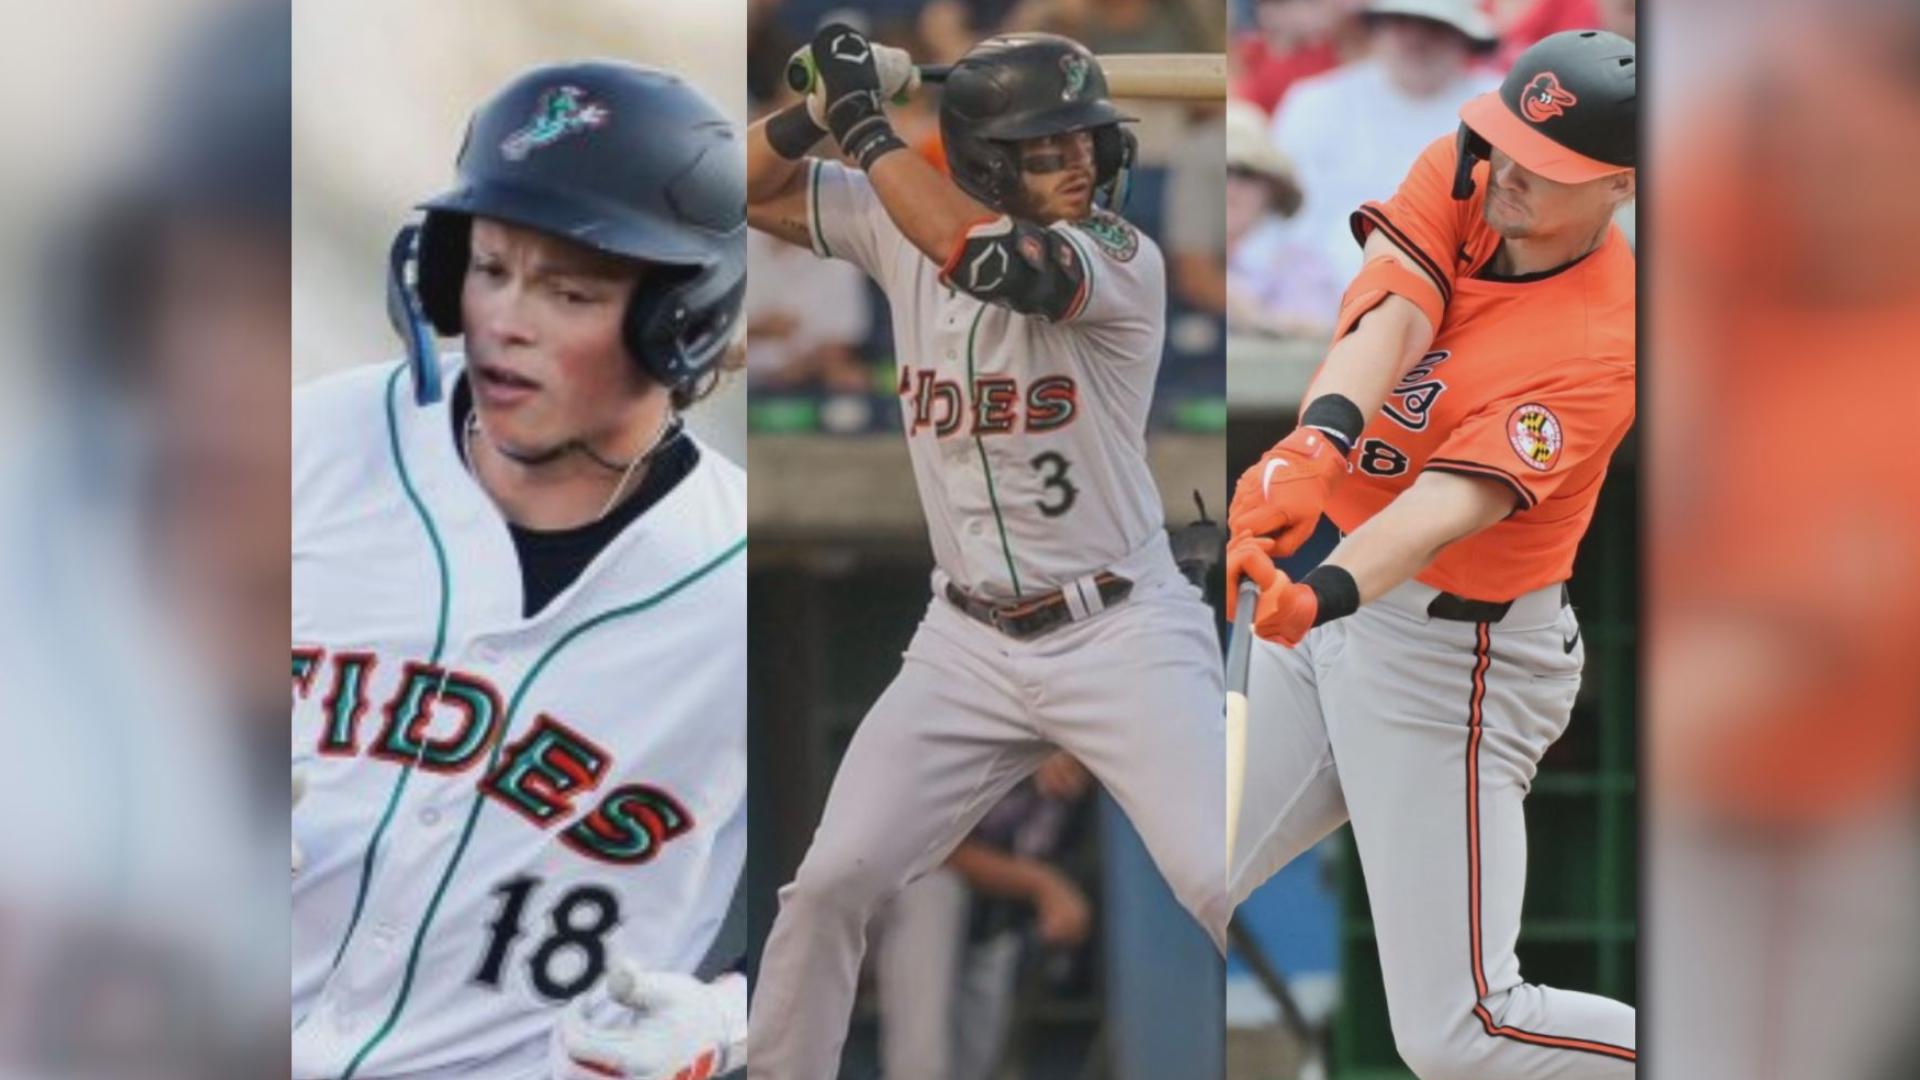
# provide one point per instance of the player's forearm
(770, 172)
(1365, 364)
(929, 209)
(992, 872)
(1399, 541)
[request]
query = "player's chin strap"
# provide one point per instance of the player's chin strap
(408, 318)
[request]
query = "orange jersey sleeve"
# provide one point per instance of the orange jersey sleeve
(1442, 234)
(1541, 439)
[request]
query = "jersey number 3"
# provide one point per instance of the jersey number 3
(1053, 476)
(577, 928)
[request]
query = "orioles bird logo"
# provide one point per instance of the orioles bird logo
(1544, 98)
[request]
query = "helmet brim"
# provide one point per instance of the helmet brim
(1058, 120)
(1491, 119)
(609, 229)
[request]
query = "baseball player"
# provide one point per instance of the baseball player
(1028, 320)
(518, 615)
(1457, 434)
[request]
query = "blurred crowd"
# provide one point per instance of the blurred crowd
(819, 328)
(1332, 100)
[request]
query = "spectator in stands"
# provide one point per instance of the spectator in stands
(948, 28)
(806, 320)
(1275, 283)
(1352, 132)
(950, 945)
(1289, 40)
(1195, 235)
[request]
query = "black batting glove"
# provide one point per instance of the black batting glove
(843, 57)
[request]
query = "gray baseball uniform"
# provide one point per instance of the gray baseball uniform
(1028, 445)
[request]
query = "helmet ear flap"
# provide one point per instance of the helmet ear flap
(443, 253)
(1473, 149)
(1114, 151)
(680, 321)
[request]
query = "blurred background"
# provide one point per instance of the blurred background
(1331, 102)
(143, 524)
(148, 340)
(1782, 277)
(1097, 973)
(381, 99)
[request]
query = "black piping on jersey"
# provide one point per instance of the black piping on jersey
(1441, 279)
(1485, 471)
(493, 762)
(439, 647)
(1476, 700)
(1486, 273)
(987, 467)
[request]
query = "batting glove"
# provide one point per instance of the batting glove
(1287, 608)
(653, 1025)
(899, 78)
(1284, 492)
(850, 85)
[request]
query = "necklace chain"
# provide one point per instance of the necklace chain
(660, 437)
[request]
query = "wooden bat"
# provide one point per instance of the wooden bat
(1162, 76)
(1239, 659)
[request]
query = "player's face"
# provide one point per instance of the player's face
(543, 319)
(1522, 204)
(1056, 172)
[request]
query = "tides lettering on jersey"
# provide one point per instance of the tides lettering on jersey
(942, 405)
(448, 721)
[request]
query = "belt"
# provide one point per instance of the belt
(1024, 619)
(1455, 608)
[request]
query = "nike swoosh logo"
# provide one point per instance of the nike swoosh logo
(1568, 644)
(1266, 477)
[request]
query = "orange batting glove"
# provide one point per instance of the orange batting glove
(1282, 495)
(1287, 608)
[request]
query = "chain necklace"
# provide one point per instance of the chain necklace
(669, 426)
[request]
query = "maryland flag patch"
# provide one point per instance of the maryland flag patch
(1535, 434)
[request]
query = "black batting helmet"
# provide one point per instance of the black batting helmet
(1568, 111)
(1023, 86)
(627, 160)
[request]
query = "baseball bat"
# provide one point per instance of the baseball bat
(1164, 76)
(1239, 659)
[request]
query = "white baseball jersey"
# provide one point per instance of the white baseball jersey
(1028, 437)
(497, 806)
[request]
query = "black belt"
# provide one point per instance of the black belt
(1025, 619)
(1460, 609)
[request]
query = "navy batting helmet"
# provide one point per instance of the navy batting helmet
(627, 160)
(1023, 86)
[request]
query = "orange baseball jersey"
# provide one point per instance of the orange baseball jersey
(1529, 382)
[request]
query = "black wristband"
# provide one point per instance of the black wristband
(1336, 591)
(869, 140)
(1338, 417)
(791, 132)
